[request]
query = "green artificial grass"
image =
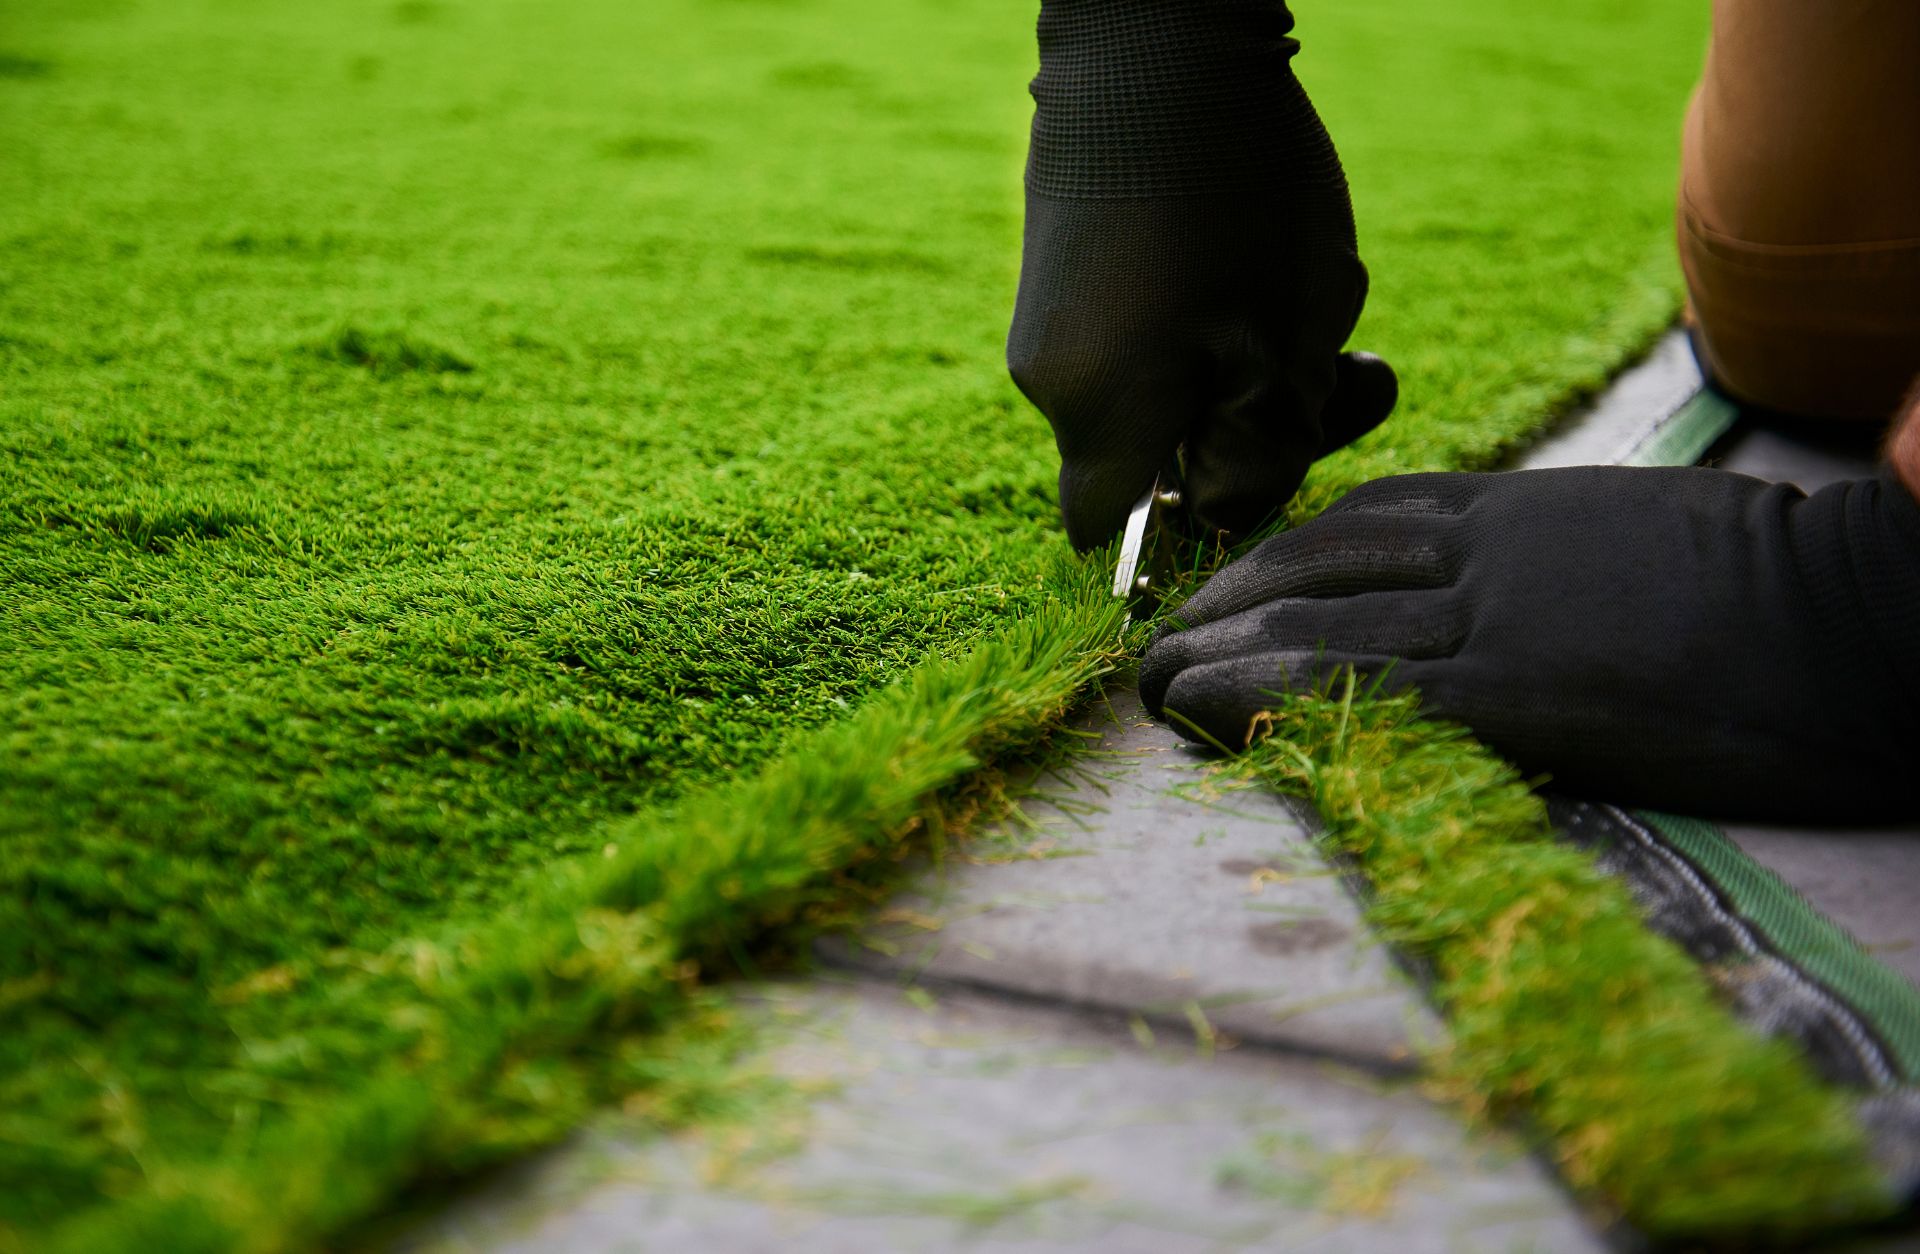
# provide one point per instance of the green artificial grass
(441, 442)
(1563, 1010)
(501, 1034)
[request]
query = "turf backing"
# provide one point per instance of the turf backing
(434, 434)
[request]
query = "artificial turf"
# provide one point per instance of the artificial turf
(438, 435)
(1563, 1010)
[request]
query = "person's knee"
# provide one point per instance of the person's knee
(1799, 216)
(1823, 331)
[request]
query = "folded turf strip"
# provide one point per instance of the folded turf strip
(438, 437)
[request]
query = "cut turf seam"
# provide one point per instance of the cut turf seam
(1564, 1011)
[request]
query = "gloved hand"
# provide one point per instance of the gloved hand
(1685, 639)
(1189, 272)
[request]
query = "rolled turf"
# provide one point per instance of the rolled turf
(438, 435)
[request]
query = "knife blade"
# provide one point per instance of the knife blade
(1154, 527)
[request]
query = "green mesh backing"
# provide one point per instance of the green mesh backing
(1684, 438)
(1804, 936)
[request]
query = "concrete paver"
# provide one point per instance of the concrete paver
(1131, 1046)
(1782, 456)
(1170, 900)
(994, 1126)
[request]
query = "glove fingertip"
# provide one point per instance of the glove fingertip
(1365, 391)
(1238, 496)
(1093, 507)
(1164, 660)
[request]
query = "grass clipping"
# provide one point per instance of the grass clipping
(1564, 1011)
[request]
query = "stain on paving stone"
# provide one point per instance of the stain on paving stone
(1293, 936)
(1245, 866)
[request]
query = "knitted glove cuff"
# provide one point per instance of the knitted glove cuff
(1894, 559)
(1858, 543)
(1139, 98)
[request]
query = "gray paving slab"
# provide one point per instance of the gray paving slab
(980, 1124)
(1794, 456)
(1162, 897)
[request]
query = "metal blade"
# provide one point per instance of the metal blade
(1126, 575)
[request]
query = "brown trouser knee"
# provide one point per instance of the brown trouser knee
(1799, 215)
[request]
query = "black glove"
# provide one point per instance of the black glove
(1685, 639)
(1190, 272)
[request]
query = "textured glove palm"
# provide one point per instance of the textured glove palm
(1190, 272)
(1687, 639)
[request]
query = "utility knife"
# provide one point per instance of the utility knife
(1148, 543)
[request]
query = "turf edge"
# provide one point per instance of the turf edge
(512, 1016)
(1565, 1014)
